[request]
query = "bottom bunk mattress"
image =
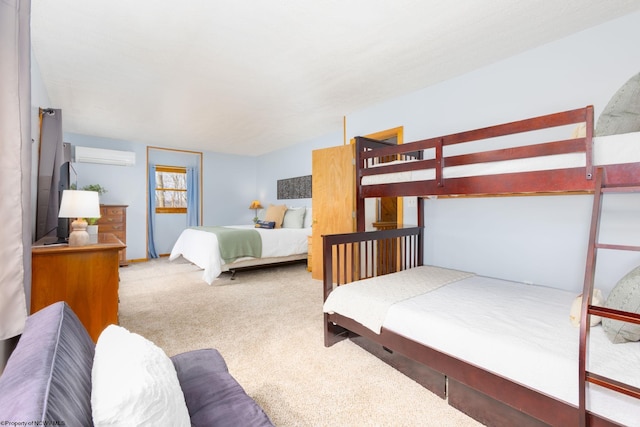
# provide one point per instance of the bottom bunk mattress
(518, 331)
(202, 248)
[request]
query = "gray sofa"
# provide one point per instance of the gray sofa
(48, 378)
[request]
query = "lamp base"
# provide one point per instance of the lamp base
(79, 235)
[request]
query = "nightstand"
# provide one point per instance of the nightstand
(86, 277)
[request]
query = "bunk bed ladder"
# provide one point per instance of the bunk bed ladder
(589, 310)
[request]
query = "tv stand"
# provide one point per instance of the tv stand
(86, 277)
(60, 241)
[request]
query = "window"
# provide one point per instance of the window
(171, 189)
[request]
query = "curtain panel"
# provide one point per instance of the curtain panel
(193, 197)
(51, 158)
(151, 214)
(15, 165)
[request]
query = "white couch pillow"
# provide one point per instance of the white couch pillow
(134, 383)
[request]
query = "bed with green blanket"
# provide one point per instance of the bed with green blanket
(218, 249)
(236, 243)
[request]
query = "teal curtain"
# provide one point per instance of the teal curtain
(152, 212)
(193, 199)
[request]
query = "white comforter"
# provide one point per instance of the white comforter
(201, 247)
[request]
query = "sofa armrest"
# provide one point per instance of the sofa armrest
(212, 395)
(48, 376)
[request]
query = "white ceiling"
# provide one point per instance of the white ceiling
(250, 77)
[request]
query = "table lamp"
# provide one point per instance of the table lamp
(255, 205)
(80, 205)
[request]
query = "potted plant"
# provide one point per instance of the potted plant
(92, 227)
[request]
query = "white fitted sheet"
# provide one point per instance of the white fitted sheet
(369, 300)
(521, 332)
(201, 247)
(607, 150)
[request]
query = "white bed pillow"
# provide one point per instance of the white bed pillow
(308, 218)
(293, 218)
(624, 296)
(134, 383)
(576, 308)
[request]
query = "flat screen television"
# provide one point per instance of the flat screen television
(64, 183)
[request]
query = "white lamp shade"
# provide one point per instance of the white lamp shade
(79, 204)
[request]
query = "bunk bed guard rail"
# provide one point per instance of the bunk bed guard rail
(373, 159)
(355, 256)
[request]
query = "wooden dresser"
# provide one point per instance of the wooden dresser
(85, 277)
(113, 219)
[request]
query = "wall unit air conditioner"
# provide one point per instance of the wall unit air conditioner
(105, 157)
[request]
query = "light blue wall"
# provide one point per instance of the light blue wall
(228, 188)
(230, 183)
(125, 185)
(286, 163)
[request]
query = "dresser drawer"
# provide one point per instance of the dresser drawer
(112, 214)
(113, 220)
(111, 227)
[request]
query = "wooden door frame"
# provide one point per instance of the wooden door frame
(398, 133)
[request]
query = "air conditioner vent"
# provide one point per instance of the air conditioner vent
(105, 157)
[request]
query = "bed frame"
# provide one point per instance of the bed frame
(249, 264)
(489, 398)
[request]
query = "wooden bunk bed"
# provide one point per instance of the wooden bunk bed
(433, 167)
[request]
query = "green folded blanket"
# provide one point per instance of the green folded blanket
(236, 243)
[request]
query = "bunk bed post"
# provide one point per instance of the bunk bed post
(439, 163)
(420, 246)
(359, 166)
(587, 291)
(332, 332)
(420, 254)
(588, 139)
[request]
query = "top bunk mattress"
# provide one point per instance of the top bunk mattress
(518, 331)
(607, 150)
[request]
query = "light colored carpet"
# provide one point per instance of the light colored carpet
(268, 326)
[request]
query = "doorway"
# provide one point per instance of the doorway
(385, 212)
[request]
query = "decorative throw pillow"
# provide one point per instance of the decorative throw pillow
(134, 383)
(624, 296)
(265, 224)
(293, 218)
(576, 308)
(276, 214)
